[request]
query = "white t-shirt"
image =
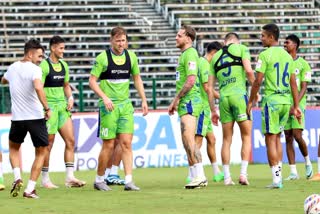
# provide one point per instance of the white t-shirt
(24, 99)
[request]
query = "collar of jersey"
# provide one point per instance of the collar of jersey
(115, 53)
(53, 62)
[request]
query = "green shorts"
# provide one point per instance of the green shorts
(233, 108)
(190, 106)
(274, 117)
(204, 124)
(59, 116)
(293, 122)
(118, 121)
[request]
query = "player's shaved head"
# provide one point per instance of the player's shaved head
(231, 35)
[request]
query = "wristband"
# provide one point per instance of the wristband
(46, 109)
(70, 98)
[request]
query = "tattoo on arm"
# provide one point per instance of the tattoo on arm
(187, 86)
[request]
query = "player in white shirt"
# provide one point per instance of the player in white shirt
(29, 111)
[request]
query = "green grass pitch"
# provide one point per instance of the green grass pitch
(162, 192)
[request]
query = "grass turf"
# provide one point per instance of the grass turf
(162, 192)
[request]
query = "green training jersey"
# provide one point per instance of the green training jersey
(303, 74)
(115, 89)
(204, 68)
(276, 65)
(232, 79)
(188, 64)
(54, 94)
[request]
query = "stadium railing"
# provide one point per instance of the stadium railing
(249, 21)
(52, 2)
(283, 14)
(66, 8)
(209, 9)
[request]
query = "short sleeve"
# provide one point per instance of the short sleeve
(191, 63)
(245, 53)
(134, 63)
(306, 72)
(204, 69)
(37, 74)
(261, 64)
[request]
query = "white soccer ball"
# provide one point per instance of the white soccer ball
(312, 204)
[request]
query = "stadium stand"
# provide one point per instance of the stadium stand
(213, 21)
(86, 25)
(152, 26)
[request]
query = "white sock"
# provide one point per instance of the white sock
(190, 176)
(307, 159)
(1, 170)
(226, 172)
(45, 174)
(114, 170)
(244, 167)
(276, 173)
(200, 170)
(107, 172)
(69, 170)
(293, 169)
(16, 173)
(318, 164)
(127, 179)
(280, 165)
(30, 187)
(215, 168)
(193, 171)
(99, 179)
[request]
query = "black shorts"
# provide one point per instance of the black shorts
(36, 128)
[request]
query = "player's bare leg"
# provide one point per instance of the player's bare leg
(188, 130)
(297, 134)
(125, 140)
(104, 156)
(46, 182)
(227, 129)
(291, 155)
(245, 130)
(15, 164)
(2, 187)
(66, 132)
(113, 178)
(211, 151)
(40, 154)
(273, 159)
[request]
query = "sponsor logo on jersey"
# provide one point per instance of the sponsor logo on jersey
(58, 77)
(192, 65)
(104, 132)
(259, 63)
(177, 75)
(119, 71)
(307, 75)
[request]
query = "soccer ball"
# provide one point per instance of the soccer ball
(312, 204)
